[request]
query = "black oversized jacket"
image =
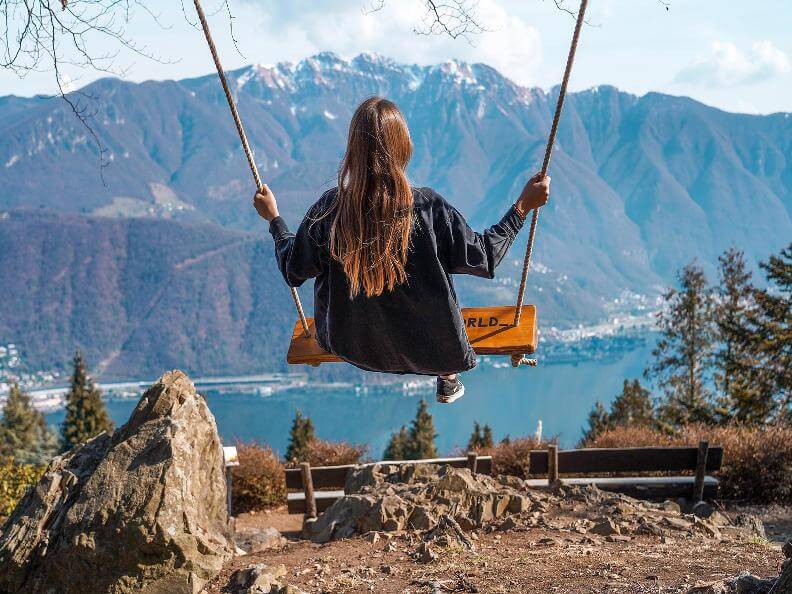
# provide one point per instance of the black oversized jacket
(416, 327)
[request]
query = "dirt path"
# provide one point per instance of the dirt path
(528, 560)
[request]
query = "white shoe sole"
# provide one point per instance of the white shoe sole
(453, 398)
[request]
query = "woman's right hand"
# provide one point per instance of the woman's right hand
(265, 204)
(534, 194)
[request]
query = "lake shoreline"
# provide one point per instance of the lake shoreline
(511, 401)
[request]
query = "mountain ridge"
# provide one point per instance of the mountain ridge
(641, 184)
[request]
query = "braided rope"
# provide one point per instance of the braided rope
(548, 152)
(242, 136)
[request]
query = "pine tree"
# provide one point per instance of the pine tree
(397, 445)
(48, 445)
(86, 415)
(684, 352)
(633, 407)
(300, 437)
(487, 440)
(741, 397)
(20, 427)
(598, 423)
(420, 444)
(480, 439)
(474, 442)
(771, 342)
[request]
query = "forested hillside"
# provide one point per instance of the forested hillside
(140, 296)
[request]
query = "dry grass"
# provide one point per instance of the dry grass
(757, 461)
(335, 453)
(511, 457)
(259, 480)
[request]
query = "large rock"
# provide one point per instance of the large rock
(383, 497)
(142, 510)
(255, 540)
(261, 578)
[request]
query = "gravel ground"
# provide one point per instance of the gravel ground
(530, 559)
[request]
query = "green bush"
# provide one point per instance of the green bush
(14, 481)
(757, 460)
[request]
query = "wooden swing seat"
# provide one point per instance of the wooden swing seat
(491, 331)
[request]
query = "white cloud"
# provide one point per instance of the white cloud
(628, 46)
(726, 65)
(68, 83)
(344, 27)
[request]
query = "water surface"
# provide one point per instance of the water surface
(511, 401)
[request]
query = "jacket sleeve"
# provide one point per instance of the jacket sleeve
(298, 255)
(478, 254)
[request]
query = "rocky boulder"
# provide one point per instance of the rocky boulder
(261, 578)
(382, 497)
(255, 540)
(142, 510)
(445, 535)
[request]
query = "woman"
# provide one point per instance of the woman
(383, 253)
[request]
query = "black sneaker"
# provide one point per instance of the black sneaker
(449, 390)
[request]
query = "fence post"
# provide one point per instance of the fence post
(230, 460)
(229, 487)
(472, 462)
(701, 471)
(552, 465)
(310, 499)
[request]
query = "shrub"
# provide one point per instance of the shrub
(259, 480)
(757, 461)
(14, 481)
(624, 437)
(510, 456)
(334, 453)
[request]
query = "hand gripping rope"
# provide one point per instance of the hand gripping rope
(518, 359)
(242, 137)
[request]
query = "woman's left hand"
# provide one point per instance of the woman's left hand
(265, 204)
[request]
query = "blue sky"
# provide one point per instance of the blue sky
(733, 54)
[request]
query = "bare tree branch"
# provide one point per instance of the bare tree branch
(455, 18)
(46, 35)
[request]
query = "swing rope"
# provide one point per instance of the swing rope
(242, 137)
(548, 152)
(545, 164)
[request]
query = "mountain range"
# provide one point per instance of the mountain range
(162, 242)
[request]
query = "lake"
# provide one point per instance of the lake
(511, 401)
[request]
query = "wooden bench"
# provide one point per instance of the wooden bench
(701, 460)
(318, 488)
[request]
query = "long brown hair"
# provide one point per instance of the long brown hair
(370, 234)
